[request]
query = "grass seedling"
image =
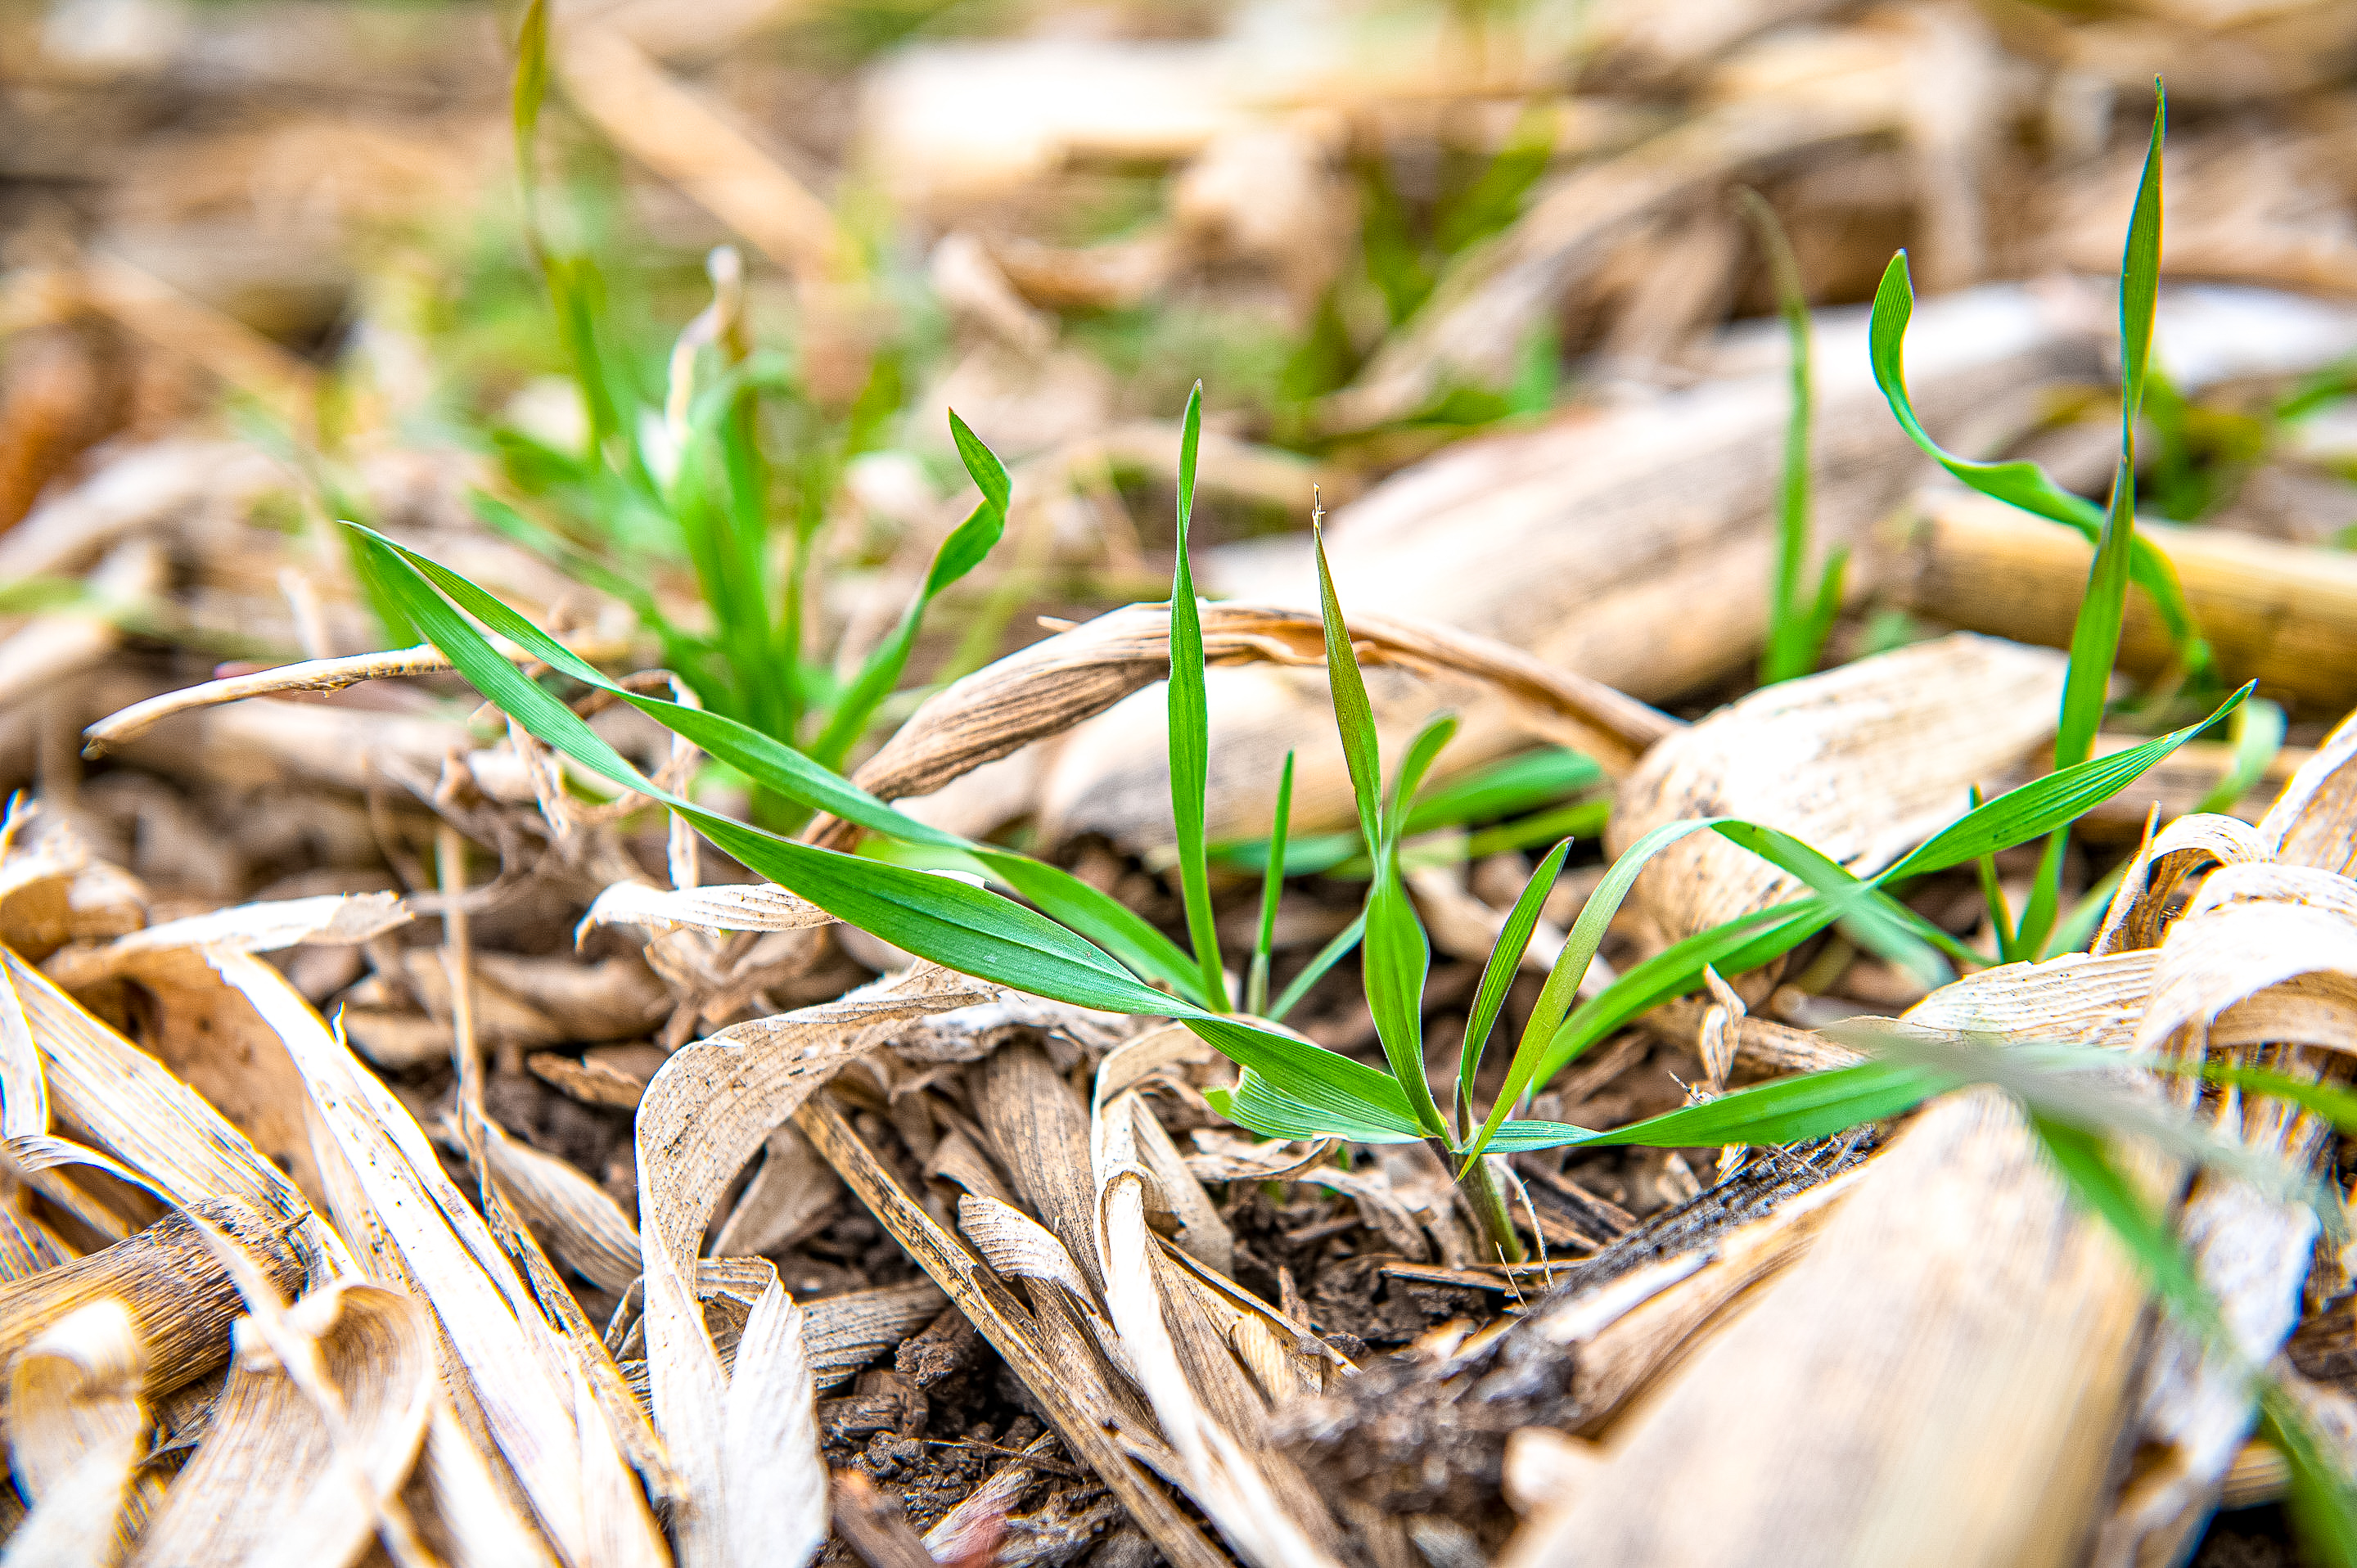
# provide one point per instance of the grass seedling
(2121, 555)
(1797, 633)
(1190, 726)
(687, 478)
(1073, 942)
(1272, 887)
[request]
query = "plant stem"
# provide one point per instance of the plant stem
(1488, 1201)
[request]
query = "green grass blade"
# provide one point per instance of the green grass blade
(1190, 724)
(1553, 1039)
(960, 554)
(1498, 975)
(1499, 790)
(1393, 962)
(2258, 733)
(1271, 887)
(2076, 929)
(2042, 805)
(1325, 1080)
(1828, 606)
(1355, 715)
(1333, 953)
(529, 90)
(1098, 916)
(1503, 788)
(1789, 650)
(1258, 1104)
(2017, 482)
(1579, 820)
(2322, 1499)
(2096, 638)
(2336, 1105)
(1414, 763)
(759, 757)
(1789, 1111)
(1562, 987)
(1871, 919)
(1744, 943)
(2101, 1186)
(1993, 896)
(2140, 277)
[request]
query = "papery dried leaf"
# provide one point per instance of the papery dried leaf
(793, 1192)
(1862, 762)
(1055, 683)
(2163, 863)
(724, 907)
(1019, 1247)
(280, 1481)
(704, 1113)
(771, 1474)
(179, 1300)
(131, 1108)
(333, 918)
(584, 1226)
(1956, 1275)
(75, 1426)
(386, 1185)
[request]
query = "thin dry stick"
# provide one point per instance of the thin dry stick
(450, 864)
(309, 675)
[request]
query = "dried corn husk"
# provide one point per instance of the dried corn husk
(1862, 762)
(1956, 1278)
(1057, 682)
(2262, 966)
(179, 1300)
(314, 1453)
(524, 1385)
(743, 1439)
(75, 1420)
(2275, 613)
(727, 906)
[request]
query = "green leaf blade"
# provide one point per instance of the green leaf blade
(1190, 721)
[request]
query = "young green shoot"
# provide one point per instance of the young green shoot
(1272, 888)
(2121, 556)
(1797, 633)
(2103, 608)
(1190, 724)
(689, 479)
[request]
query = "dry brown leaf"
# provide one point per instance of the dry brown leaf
(1862, 763)
(179, 1301)
(54, 890)
(302, 1463)
(704, 1115)
(2272, 612)
(76, 1419)
(726, 906)
(1057, 682)
(387, 1189)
